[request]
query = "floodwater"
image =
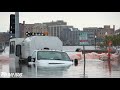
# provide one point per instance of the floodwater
(93, 69)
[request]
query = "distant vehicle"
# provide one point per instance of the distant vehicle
(78, 50)
(50, 58)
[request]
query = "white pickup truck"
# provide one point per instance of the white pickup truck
(50, 58)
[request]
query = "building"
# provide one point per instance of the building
(100, 33)
(117, 31)
(70, 36)
(55, 27)
(58, 22)
(66, 33)
(36, 28)
(4, 37)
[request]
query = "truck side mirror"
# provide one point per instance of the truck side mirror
(29, 58)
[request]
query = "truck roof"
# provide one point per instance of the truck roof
(51, 50)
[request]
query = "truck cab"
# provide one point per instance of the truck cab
(50, 58)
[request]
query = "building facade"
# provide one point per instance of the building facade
(117, 31)
(58, 29)
(4, 37)
(36, 28)
(55, 27)
(67, 33)
(100, 33)
(70, 36)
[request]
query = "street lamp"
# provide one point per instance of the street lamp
(95, 41)
(106, 40)
(109, 50)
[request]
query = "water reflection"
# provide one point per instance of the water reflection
(94, 69)
(34, 71)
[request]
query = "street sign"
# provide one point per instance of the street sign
(83, 38)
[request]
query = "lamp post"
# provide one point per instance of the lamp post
(95, 41)
(109, 50)
(106, 40)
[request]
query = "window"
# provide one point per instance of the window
(12, 47)
(18, 50)
(52, 55)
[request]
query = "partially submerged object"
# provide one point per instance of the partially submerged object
(48, 58)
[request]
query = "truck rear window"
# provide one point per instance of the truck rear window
(52, 55)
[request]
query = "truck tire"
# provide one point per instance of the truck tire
(76, 62)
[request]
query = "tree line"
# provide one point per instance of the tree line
(115, 39)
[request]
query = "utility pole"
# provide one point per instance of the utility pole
(17, 31)
(84, 59)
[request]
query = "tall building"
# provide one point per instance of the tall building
(67, 34)
(70, 36)
(55, 27)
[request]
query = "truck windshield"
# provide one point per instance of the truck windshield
(52, 55)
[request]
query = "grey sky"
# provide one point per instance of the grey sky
(77, 19)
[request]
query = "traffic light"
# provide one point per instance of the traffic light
(12, 24)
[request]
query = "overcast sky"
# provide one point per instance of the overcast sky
(77, 19)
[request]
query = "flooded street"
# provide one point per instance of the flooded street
(94, 69)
